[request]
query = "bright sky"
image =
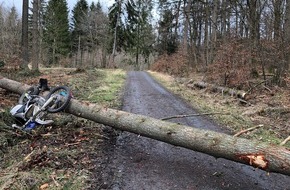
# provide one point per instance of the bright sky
(71, 3)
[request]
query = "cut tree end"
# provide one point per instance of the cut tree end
(255, 160)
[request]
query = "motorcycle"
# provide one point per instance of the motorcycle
(32, 108)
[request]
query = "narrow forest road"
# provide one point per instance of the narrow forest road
(141, 163)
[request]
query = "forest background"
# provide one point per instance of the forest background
(231, 42)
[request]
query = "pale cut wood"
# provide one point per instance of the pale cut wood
(268, 157)
(285, 141)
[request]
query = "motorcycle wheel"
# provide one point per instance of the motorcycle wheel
(63, 97)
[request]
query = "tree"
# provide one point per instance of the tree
(80, 29)
(138, 29)
(284, 66)
(278, 13)
(56, 30)
(98, 34)
(35, 35)
(259, 155)
(24, 44)
(167, 39)
(115, 13)
(10, 33)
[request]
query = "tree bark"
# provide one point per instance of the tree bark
(35, 36)
(286, 64)
(24, 43)
(236, 93)
(271, 158)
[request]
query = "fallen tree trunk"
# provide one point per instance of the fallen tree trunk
(236, 93)
(267, 157)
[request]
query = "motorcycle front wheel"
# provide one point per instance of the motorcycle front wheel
(62, 97)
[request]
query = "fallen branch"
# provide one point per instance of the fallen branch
(285, 141)
(274, 110)
(72, 144)
(268, 157)
(243, 101)
(247, 130)
(192, 115)
(54, 180)
(8, 130)
(264, 81)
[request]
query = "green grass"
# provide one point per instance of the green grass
(101, 86)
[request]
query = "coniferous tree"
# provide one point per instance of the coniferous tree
(139, 33)
(167, 39)
(56, 30)
(80, 30)
(117, 29)
(80, 23)
(131, 27)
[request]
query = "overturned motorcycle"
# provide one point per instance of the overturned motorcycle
(32, 108)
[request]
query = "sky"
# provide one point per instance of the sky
(71, 3)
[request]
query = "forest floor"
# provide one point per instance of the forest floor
(73, 153)
(69, 153)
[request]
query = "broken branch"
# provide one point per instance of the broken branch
(247, 130)
(192, 115)
(285, 141)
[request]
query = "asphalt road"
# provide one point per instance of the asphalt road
(141, 163)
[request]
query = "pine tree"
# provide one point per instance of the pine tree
(167, 39)
(80, 23)
(139, 33)
(56, 30)
(117, 29)
(132, 29)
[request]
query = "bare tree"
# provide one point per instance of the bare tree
(35, 36)
(186, 23)
(277, 18)
(24, 44)
(285, 66)
(119, 4)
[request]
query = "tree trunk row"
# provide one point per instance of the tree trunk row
(236, 93)
(271, 158)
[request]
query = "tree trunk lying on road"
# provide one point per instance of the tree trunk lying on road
(214, 88)
(271, 158)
